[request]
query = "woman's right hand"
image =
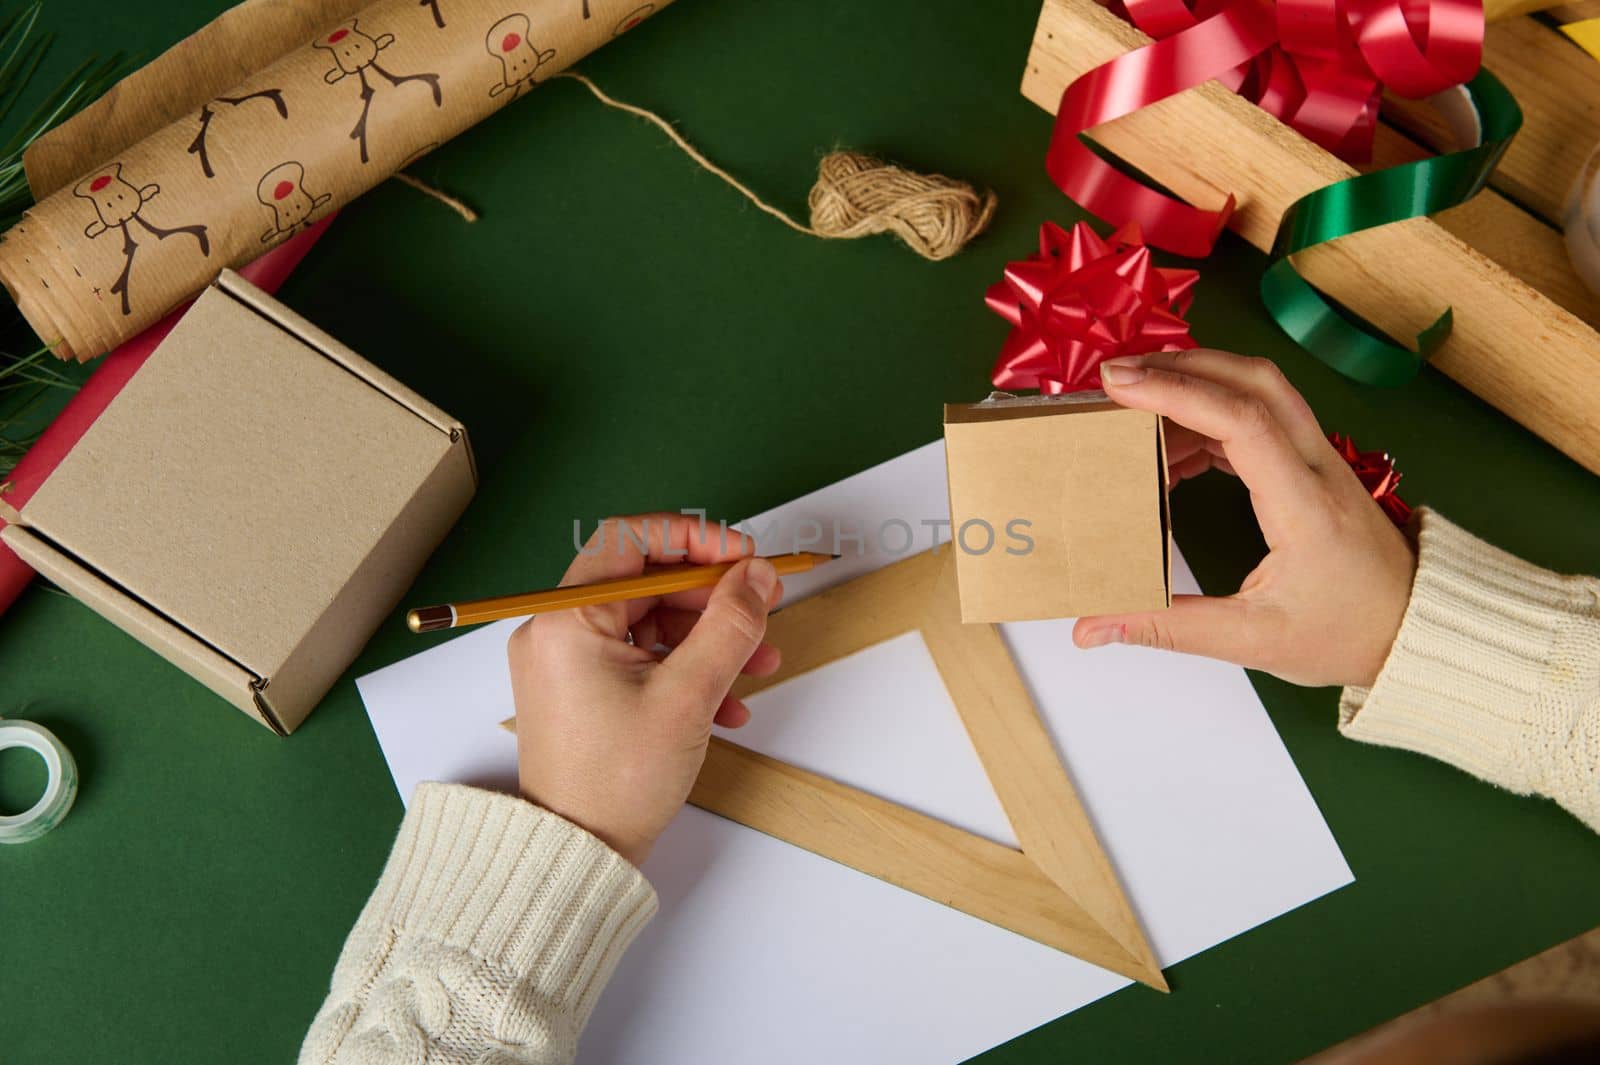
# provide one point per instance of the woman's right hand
(615, 701)
(1323, 607)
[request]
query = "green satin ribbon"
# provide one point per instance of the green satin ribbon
(1359, 351)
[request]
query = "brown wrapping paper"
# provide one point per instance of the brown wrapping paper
(111, 250)
(227, 50)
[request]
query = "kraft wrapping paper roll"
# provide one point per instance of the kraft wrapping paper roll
(110, 253)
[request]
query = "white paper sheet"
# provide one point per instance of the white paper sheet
(764, 952)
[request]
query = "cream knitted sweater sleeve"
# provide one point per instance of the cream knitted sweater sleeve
(1496, 669)
(491, 933)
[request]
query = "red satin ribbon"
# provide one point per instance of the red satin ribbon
(1318, 65)
(1211, 48)
(1082, 300)
(1419, 47)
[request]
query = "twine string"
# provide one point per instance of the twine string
(467, 213)
(856, 195)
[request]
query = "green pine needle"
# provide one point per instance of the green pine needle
(35, 385)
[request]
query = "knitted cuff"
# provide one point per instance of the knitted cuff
(515, 885)
(1489, 669)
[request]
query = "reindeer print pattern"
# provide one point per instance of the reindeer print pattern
(632, 19)
(208, 112)
(283, 190)
(507, 40)
(354, 55)
(118, 204)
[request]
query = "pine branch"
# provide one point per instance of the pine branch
(33, 385)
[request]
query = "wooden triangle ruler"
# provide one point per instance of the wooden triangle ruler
(1058, 888)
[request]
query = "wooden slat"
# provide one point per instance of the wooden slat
(1520, 242)
(1511, 345)
(910, 850)
(1563, 983)
(1558, 86)
(1495, 10)
(1022, 764)
(1574, 12)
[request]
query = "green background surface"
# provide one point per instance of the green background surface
(620, 332)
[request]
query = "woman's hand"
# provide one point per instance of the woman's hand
(612, 731)
(1323, 607)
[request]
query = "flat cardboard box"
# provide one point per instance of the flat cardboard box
(1088, 477)
(253, 504)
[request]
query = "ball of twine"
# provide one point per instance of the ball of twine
(857, 195)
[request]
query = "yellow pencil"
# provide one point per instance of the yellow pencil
(660, 582)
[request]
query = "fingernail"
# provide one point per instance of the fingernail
(1101, 637)
(762, 577)
(1117, 372)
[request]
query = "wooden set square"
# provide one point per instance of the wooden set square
(1057, 888)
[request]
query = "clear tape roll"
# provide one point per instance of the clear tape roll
(1581, 223)
(61, 785)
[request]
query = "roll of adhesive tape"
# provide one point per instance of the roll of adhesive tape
(1581, 223)
(60, 788)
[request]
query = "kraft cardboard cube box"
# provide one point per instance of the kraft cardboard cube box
(1088, 477)
(253, 503)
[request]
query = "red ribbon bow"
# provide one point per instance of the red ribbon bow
(1335, 57)
(1318, 65)
(1082, 300)
(1375, 470)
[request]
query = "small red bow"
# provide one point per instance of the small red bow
(1082, 300)
(1375, 470)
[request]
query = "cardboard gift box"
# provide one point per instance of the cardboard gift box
(1059, 507)
(253, 503)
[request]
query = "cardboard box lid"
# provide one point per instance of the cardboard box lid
(1003, 406)
(310, 456)
(226, 678)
